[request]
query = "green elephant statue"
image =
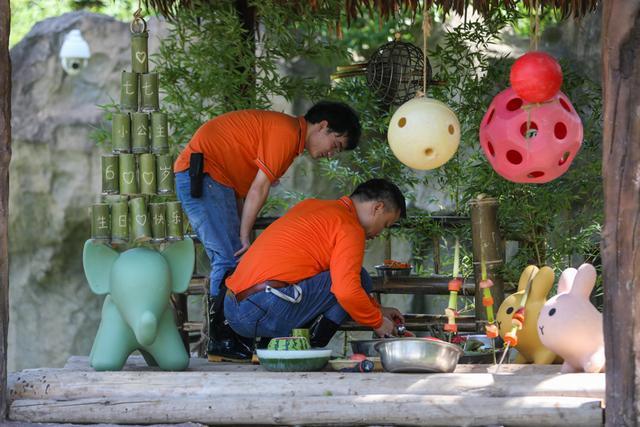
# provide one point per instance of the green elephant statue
(137, 314)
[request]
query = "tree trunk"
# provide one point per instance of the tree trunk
(621, 172)
(5, 156)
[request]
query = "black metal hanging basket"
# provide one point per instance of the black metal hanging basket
(395, 72)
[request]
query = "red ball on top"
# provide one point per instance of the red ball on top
(536, 77)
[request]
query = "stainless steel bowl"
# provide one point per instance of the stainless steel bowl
(418, 355)
(366, 347)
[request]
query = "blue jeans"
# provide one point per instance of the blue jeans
(266, 315)
(214, 218)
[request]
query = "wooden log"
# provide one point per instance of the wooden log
(5, 158)
(432, 285)
(137, 363)
(621, 173)
(64, 385)
(420, 322)
(395, 409)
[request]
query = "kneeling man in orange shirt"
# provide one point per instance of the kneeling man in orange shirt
(306, 268)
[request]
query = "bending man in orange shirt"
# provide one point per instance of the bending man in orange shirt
(239, 156)
(309, 263)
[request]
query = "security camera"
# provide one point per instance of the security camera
(74, 53)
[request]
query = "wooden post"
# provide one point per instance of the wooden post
(487, 243)
(621, 234)
(5, 157)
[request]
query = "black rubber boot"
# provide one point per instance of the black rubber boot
(224, 344)
(322, 331)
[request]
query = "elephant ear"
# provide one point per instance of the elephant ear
(181, 258)
(97, 260)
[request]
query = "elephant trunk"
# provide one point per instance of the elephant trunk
(147, 328)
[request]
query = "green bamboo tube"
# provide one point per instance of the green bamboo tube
(174, 221)
(114, 198)
(121, 133)
(128, 181)
(120, 222)
(487, 246)
(129, 91)
(147, 173)
(158, 212)
(110, 176)
(165, 177)
(140, 52)
(159, 133)
(149, 92)
(100, 222)
(140, 224)
(140, 132)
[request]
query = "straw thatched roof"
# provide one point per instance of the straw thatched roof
(387, 8)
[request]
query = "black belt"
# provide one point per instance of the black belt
(260, 287)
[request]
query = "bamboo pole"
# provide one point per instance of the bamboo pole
(487, 244)
(5, 158)
(621, 174)
(394, 409)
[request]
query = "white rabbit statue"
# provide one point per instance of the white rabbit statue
(570, 326)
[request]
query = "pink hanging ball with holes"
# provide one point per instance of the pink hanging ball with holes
(555, 137)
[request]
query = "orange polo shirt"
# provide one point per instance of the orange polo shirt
(236, 144)
(314, 236)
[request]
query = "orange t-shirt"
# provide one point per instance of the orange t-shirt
(236, 144)
(314, 236)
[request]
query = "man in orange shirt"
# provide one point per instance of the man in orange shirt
(223, 178)
(308, 264)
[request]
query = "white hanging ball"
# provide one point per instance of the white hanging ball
(424, 133)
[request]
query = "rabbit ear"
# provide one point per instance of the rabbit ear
(566, 280)
(542, 284)
(584, 281)
(524, 277)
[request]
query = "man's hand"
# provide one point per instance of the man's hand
(246, 242)
(387, 328)
(393, 314)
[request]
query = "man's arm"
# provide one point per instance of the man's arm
(254, 201)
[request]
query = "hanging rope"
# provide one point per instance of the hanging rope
(426, 32)
(138, 24)
(534, 38)
(534, 24)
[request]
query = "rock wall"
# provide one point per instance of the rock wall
(54, 177)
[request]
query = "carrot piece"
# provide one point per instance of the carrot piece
(455, 284)
(511, 339)
(450, 327)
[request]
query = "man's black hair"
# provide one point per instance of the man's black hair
(342, 120)
(383, 191)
